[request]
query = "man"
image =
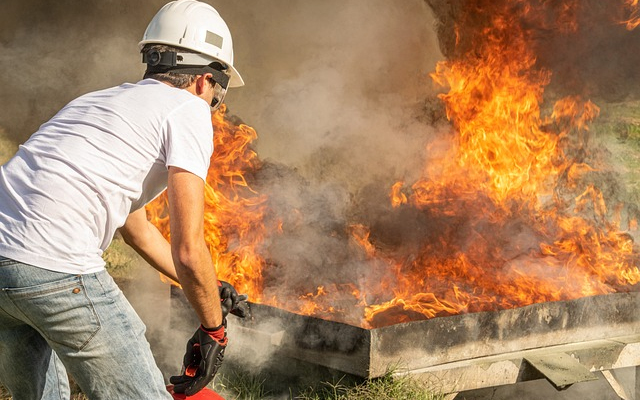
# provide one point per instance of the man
(88, 172)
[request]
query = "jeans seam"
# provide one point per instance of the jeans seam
(104, 289)
(16, 294)
(7, 313)
(58, 386)
(122, 314)
(93, 311)
(25, 316)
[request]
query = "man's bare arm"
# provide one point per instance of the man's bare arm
(147, 241)
(191, 257)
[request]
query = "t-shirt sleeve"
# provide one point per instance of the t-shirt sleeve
(189, 138)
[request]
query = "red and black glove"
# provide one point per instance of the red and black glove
(232, 302)
(205, 352)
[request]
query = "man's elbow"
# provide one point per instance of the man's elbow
(135, 238)
(188, 254)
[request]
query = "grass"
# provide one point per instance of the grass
(388, 387)
(245, 386)
(619, 128)
(241, 385)
(121, 260)
(7, 147)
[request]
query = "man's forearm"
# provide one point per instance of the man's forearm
(199, 282)
(149, 243)
(197, 274)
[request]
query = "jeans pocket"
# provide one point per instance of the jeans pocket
(61, 311)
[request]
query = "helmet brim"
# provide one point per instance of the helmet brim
(236, 80)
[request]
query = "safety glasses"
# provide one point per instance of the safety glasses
(220, 81)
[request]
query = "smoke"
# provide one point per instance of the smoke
(55, 51)
(343, 105)
(339, 95)
(333, 87)
(595, 60)
(7, 147)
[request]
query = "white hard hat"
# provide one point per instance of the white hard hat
(196, 26)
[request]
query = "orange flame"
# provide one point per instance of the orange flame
(521, 218)
(633, 6)
(516, 168)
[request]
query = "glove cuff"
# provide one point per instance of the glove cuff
(217, 333)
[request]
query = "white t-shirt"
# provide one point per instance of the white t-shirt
(105, 154)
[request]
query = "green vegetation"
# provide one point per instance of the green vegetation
(245, 386)
(388, 387)
(240, 385)
(121, 260)
(7, 147)
(618, 127)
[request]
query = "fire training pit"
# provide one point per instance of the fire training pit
(564, 342)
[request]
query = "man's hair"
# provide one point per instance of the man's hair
(176, 79)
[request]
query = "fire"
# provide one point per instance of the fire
(633, 6)
(520, 171)
(519, 213)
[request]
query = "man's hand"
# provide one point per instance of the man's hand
(205, 352)
(231, 301)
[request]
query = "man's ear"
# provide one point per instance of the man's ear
(200, 84)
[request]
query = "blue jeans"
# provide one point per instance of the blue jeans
(52, 322)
